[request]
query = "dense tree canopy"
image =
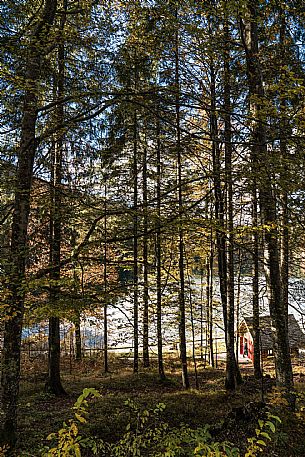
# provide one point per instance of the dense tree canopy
(145, 146)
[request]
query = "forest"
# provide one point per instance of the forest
(152, 182)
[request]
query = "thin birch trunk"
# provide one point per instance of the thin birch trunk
(145, 265)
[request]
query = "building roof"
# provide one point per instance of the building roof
(296, 335)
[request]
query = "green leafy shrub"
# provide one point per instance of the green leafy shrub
(263, 433)
(147, 435)
(67, 441)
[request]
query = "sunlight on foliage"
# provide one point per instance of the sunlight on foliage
(67, 440)
(258, 443)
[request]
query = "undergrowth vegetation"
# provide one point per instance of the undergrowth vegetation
(147, 435)
(140, 416)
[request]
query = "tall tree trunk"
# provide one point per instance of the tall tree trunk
(10, 376)
(219, 203)
(182, 335)
(284, 247)
(209, 295)
(202, 316)
(106, 368)
(255, 285)
(233, 376)
(145, 264)
(192, 323)
(228, 320)
(238, 305)
(267, 199)
(77, 319)
(53, 384)
(78, 339)
(159, 258)
(135, 250)
(283, 128)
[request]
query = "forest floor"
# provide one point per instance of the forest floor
(42, 413)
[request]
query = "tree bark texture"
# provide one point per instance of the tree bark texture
(26, 153)
(159, 259)
(53, 384)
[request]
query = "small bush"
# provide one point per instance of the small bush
(67, 441)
